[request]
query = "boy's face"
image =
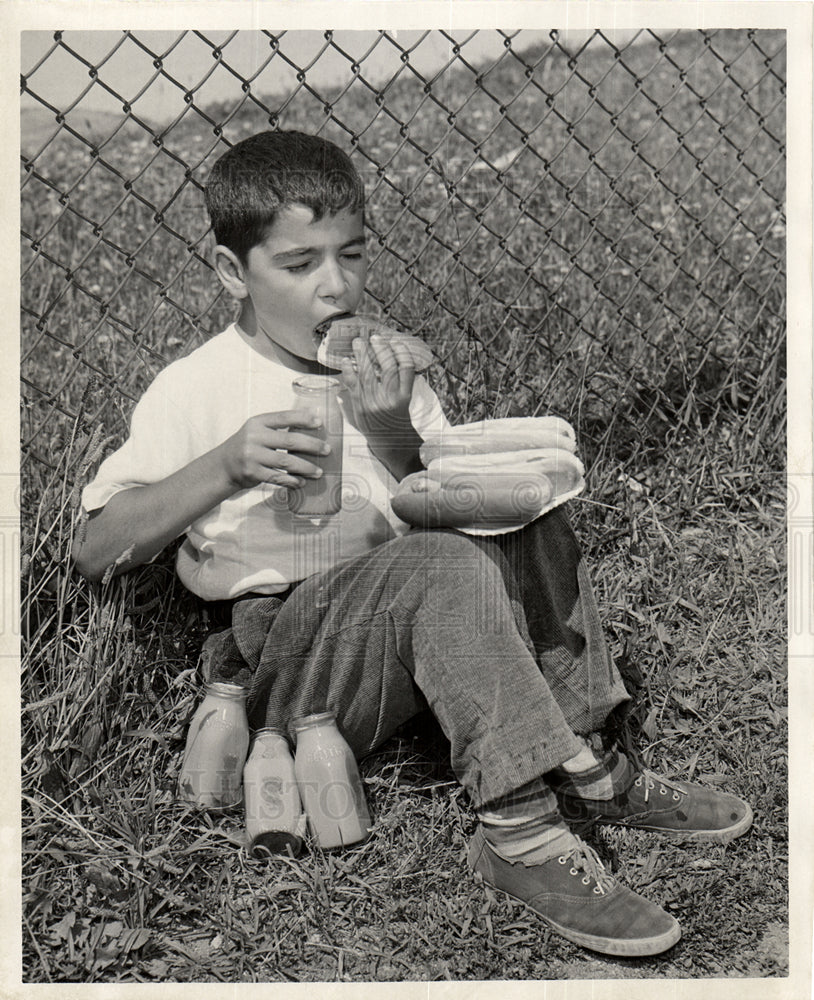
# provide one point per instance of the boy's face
(302, 273)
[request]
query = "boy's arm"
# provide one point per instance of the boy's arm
(398, 452)
(137, 523)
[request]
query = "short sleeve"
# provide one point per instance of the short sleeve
(160, 442)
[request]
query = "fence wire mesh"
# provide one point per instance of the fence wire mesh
(592, 227)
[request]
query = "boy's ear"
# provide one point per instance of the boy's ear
(230, 272)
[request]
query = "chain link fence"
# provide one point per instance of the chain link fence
(590, 226)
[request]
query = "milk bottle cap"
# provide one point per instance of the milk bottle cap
(306, 721)
(225, 689)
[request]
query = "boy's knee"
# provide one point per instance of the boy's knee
(440, 543)
(455, 580)
(449, 555)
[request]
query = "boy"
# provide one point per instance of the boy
(356, 613)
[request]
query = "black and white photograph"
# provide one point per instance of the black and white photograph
(414, 519)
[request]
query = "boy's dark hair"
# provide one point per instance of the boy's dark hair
(258, 176)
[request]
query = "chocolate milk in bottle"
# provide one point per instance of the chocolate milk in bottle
(323, 496)
(216, 747)
(329, 782)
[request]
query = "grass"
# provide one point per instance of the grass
(107, 845)
(672, 373)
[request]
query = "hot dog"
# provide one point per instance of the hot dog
(563, 470)
(337, 343)
(509, 434)
(468, 501)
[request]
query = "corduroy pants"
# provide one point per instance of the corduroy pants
(500, 637)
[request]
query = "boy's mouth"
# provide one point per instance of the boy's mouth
(322, 328)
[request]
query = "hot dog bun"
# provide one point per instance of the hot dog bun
(492, 476)
(338, 341)
(509, 434)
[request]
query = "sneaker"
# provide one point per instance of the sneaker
(580, 900)
(680, 809)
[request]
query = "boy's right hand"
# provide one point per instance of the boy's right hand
(266, 450)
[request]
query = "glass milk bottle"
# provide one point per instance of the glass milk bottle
(217, 743)
(329, 782)
(319, 497)
(275, 822)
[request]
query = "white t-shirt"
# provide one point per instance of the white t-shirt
(250, 542)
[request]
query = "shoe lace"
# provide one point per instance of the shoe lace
(585, 859)
(649, 779)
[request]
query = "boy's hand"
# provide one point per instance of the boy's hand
(265, 449)
(377, 396)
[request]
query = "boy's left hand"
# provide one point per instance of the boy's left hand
(377, 402)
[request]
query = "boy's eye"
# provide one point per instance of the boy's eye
(348, 255)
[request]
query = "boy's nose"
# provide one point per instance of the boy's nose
(332, 280)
